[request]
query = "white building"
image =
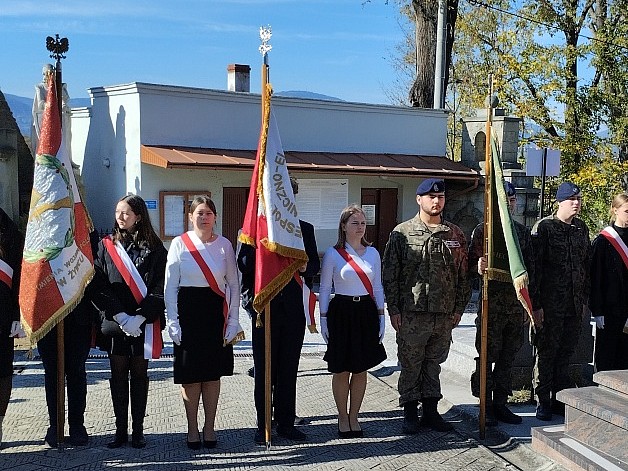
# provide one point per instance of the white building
(168, 143)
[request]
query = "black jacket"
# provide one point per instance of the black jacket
(111, 295)
(246, 265)
(609, 279)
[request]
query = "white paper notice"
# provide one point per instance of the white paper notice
(320, 202)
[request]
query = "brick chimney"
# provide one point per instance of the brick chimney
(239, 78)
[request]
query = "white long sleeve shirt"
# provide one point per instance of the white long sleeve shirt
(345, 279)
(182, 270)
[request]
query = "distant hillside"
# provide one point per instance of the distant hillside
(308, 95)
(21, 107)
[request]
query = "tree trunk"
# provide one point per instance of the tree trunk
(426, 19)
(426, 22)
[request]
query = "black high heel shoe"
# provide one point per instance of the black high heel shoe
(209, 443)
(195, 445)
(346, 434)
(356, 433)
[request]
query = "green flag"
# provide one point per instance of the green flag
(507, 260)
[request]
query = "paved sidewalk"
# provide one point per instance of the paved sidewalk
(382, 448)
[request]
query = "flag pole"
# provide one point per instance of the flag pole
(265, 35)
(57, 48)
(488, 252)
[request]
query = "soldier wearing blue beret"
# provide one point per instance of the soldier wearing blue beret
(560, 294)
(425, 282)
(431, 185)
(506, 317)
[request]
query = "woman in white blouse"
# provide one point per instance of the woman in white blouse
(202, 303)
(352, 323)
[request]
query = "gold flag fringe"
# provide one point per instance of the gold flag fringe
(520, 283)
(58, 316)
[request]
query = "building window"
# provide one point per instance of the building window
(480, 146)
(173, 212)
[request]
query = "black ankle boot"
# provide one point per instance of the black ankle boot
(411, 425)
(119, 439)
(431, 418)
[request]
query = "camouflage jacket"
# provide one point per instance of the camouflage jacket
(426, 270)
(476, 250)
(562, 253)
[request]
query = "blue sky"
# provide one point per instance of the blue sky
(340, 48)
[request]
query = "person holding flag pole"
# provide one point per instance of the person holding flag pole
(279, 250)
(57, 266)
(499, 332)
(11, 242)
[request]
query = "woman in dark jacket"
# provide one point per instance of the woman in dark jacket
(11, 242)
(130, 266)
(609, 285)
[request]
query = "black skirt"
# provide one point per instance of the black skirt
(201, 356)
(353, 335)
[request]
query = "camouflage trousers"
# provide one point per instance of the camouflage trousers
(504, 339)
(555, 342)
(423, 344)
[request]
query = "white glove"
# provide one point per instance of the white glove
(174, 330)
(17, 330)
(324, 330)
(382, 327)
(599, 322)
(134, 324)
(231, 331)
(121, 318)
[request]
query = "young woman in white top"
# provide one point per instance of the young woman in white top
(202, 297)
(352, 322)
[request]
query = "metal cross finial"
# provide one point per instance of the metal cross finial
(265, 34)
(57, 47)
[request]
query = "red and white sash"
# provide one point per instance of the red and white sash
(357, 267)
(205, 262)
(613, 238)
(152, 331)
(309, 304)
(6, 273)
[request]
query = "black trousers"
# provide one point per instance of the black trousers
(287, 333)
(77, 340)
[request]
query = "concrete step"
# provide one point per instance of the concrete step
(574, 455)
(613, 380)
(598, 403)
(598, 417)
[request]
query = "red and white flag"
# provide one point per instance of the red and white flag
(271, 223)
(57, 262)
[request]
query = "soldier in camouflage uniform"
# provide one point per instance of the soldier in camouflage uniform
(505, 323)
(425, 282)
(560, 294)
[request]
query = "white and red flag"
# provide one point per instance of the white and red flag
(271, 223)
(57, 262)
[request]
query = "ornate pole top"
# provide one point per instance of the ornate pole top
(265, 34)
(57, 46)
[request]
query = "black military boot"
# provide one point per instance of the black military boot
(489, 415)
(120, 399)
(544, 410)
(139, 397)
(411, 424)
(475, 379)
(431, 418)
(503, 414)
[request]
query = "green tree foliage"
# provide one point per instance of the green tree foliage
(561, 65)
